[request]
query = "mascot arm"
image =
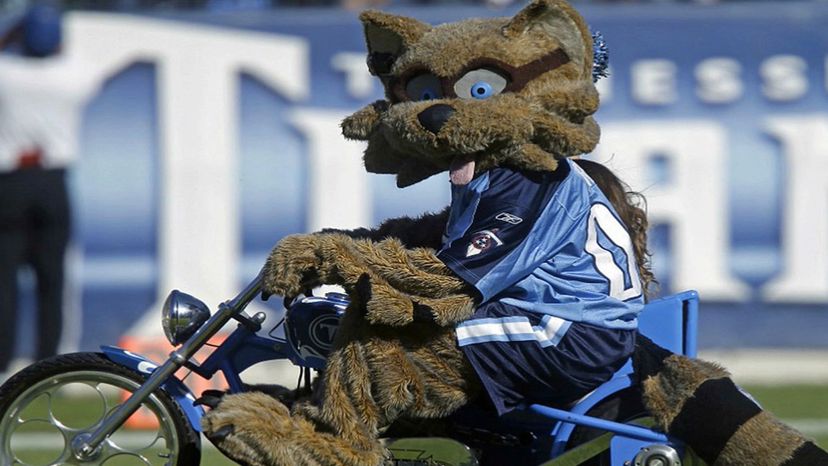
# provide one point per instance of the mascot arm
(396, 285)
(425, 231)
(293, 264)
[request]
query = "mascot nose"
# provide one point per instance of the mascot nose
(433, 118)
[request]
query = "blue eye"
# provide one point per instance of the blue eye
(481, 90)
(480, 84)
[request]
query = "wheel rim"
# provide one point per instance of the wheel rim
(149, 449)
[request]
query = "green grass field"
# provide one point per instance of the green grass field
(805, 406)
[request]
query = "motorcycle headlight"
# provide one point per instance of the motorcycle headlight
(182, 315)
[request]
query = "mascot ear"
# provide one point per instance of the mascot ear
(560, 21)
(388, 36)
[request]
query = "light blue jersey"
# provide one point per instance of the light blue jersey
(550, 244)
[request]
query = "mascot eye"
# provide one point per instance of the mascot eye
(481, 90)
(424, 87)
(479, 84)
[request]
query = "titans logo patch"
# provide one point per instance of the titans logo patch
(482, 241)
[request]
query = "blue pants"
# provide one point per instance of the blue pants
(524, 358)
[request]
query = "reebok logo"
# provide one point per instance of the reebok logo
(508, 218)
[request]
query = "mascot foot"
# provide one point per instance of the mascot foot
(249, 428)
(255, 429)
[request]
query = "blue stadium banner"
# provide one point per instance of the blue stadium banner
(217, 134)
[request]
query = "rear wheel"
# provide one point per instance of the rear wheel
(48, 405)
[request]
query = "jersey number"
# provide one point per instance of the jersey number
(618, 275)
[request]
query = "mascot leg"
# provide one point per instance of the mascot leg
(697, 402)
(374, 376)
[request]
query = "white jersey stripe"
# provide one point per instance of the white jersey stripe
(549, 333)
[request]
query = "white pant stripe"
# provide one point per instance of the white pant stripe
(549, 333)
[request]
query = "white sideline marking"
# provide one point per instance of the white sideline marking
(810, 426)
(128, 440)
(756, 366)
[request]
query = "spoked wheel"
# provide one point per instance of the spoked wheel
(51, 404)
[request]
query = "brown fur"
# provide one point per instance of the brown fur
(559, 20)
(390, 33)
(425, 231)
(375, 376)
(529, 129)
(397, 277)
(272, 436)
(666, 392)
(761, 441)
(445, 49)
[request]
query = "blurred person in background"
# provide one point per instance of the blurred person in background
(42, 97)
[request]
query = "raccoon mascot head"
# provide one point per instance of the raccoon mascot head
(468, 96)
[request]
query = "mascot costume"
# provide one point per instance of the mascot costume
(497, 100)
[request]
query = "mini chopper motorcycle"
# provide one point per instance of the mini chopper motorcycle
(607, 427)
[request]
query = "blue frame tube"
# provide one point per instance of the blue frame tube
(563, 430)
(240, 350)
(691, 322)
(636, 432)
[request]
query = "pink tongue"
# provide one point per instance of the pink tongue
(461, 170)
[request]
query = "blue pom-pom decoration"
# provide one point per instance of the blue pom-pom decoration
(600, 57)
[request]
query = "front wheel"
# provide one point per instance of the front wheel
(47, 405)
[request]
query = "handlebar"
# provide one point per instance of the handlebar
(249, 293)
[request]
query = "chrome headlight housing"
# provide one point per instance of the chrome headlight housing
(182, 315)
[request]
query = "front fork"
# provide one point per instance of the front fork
(84, 446)
(172, 386)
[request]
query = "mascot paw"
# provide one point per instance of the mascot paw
(251, 429)
(384, 305)
(292, 266)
